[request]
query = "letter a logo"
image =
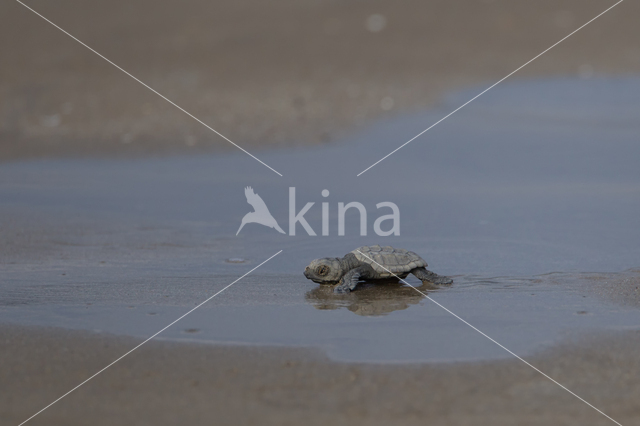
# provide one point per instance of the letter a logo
(260, 214)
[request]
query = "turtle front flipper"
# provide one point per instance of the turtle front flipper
(350, 280)
(426, 275)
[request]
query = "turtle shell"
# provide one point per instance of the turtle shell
(387, 261)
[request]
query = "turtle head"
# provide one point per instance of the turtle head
(324, 271)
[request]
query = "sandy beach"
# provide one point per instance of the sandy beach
(118, 212)
(163, 384)
(284, 73)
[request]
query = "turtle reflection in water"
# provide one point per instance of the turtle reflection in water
(370, 299)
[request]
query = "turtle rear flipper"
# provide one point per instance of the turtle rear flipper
(426, 275)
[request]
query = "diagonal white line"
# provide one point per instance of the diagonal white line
(155, 91)
(484, 91)
(154, 335)
(496, 342)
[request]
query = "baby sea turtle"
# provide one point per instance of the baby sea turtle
(370, 263)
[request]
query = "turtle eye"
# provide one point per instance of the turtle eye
(323, 270)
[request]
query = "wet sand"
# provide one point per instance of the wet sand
(164, 384)
(282, 73)
(127, 246)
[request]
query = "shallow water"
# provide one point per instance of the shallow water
(377, 323)
(532, 178)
